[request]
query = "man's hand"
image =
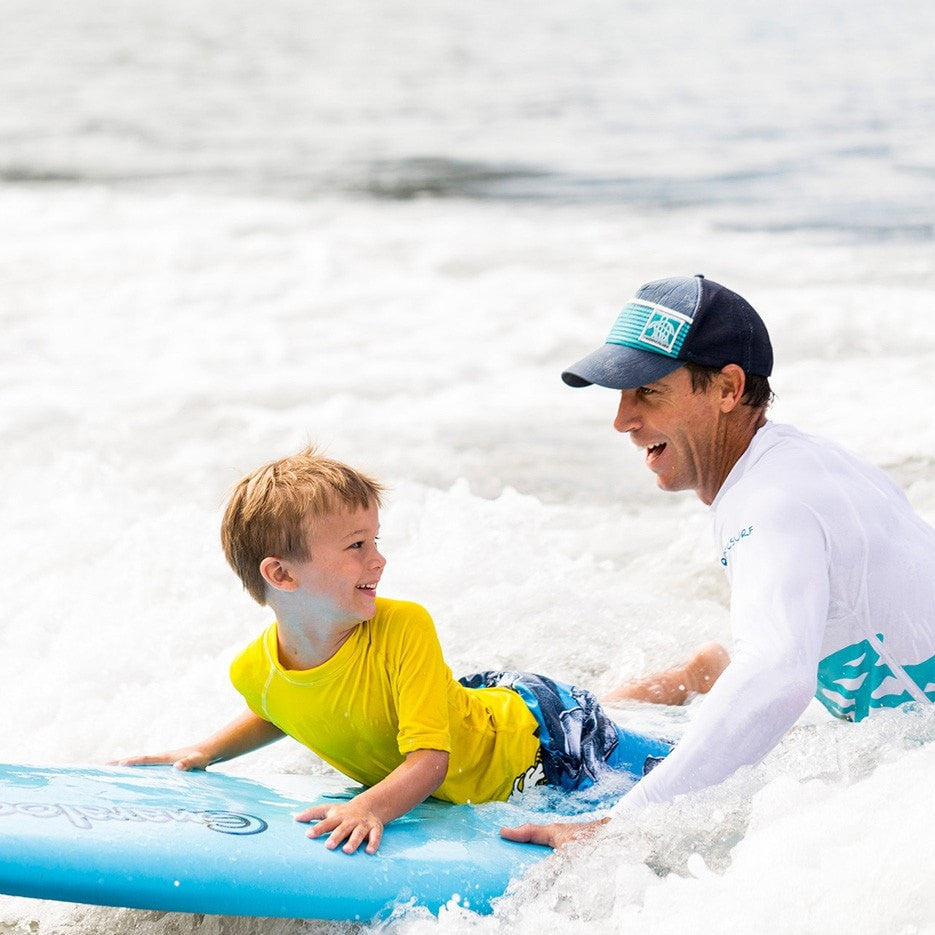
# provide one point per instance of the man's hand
(554, 835)
(349, 822)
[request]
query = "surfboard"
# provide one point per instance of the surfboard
(156, 838)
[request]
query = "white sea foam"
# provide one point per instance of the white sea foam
(162, 337)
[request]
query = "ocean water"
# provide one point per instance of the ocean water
(230, 229)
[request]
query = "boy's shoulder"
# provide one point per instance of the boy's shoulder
(255, 656)
(398, 624)
(391, 609)
(400, 632)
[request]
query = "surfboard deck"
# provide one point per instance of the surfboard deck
(157, 838)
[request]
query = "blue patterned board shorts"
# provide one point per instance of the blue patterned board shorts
(578, 741)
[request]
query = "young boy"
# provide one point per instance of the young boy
(361, 680)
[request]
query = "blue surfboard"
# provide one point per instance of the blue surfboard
(156, 838)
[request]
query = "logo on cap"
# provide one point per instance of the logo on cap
(650, 327)
(661, 331)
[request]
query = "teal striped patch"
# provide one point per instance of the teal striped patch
(856, 679)
(649, 327)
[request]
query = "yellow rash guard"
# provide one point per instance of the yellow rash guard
(387, 692)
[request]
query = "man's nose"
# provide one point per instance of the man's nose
(626, 419)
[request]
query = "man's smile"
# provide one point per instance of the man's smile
(654, 452)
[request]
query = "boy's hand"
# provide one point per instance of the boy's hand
(185, 759)
(351, 822)
(364, 817)
(246, 732)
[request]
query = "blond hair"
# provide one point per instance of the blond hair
(267, 511)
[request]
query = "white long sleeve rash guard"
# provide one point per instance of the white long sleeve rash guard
(832, 579)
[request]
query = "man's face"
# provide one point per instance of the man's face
(681, 431)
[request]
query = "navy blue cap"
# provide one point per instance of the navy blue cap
(671, 322)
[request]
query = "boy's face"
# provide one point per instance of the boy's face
(339, 580)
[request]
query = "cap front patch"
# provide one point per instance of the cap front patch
(649, 327)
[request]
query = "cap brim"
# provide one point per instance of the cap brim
(619, 368)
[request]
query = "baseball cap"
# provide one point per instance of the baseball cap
(671, 322)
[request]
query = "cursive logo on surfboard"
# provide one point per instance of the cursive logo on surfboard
(85, 816)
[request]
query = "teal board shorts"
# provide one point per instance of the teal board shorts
(579, 742)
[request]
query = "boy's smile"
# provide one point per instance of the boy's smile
(338, 582)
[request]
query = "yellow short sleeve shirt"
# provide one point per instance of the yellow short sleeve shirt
(387, 692)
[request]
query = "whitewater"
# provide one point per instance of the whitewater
(227, 232)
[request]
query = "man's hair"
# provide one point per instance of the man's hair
(268, 508)
(757, 392)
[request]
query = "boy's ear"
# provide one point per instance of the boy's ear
(276, 574)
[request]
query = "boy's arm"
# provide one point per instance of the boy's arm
(364, 817)
(245, 733)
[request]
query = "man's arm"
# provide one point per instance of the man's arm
(677, 684)
(779, 607)
(780, 594)
(743, 718)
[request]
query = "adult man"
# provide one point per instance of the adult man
(832, 573)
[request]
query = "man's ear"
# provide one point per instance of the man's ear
(277, 575)
(733, 382)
